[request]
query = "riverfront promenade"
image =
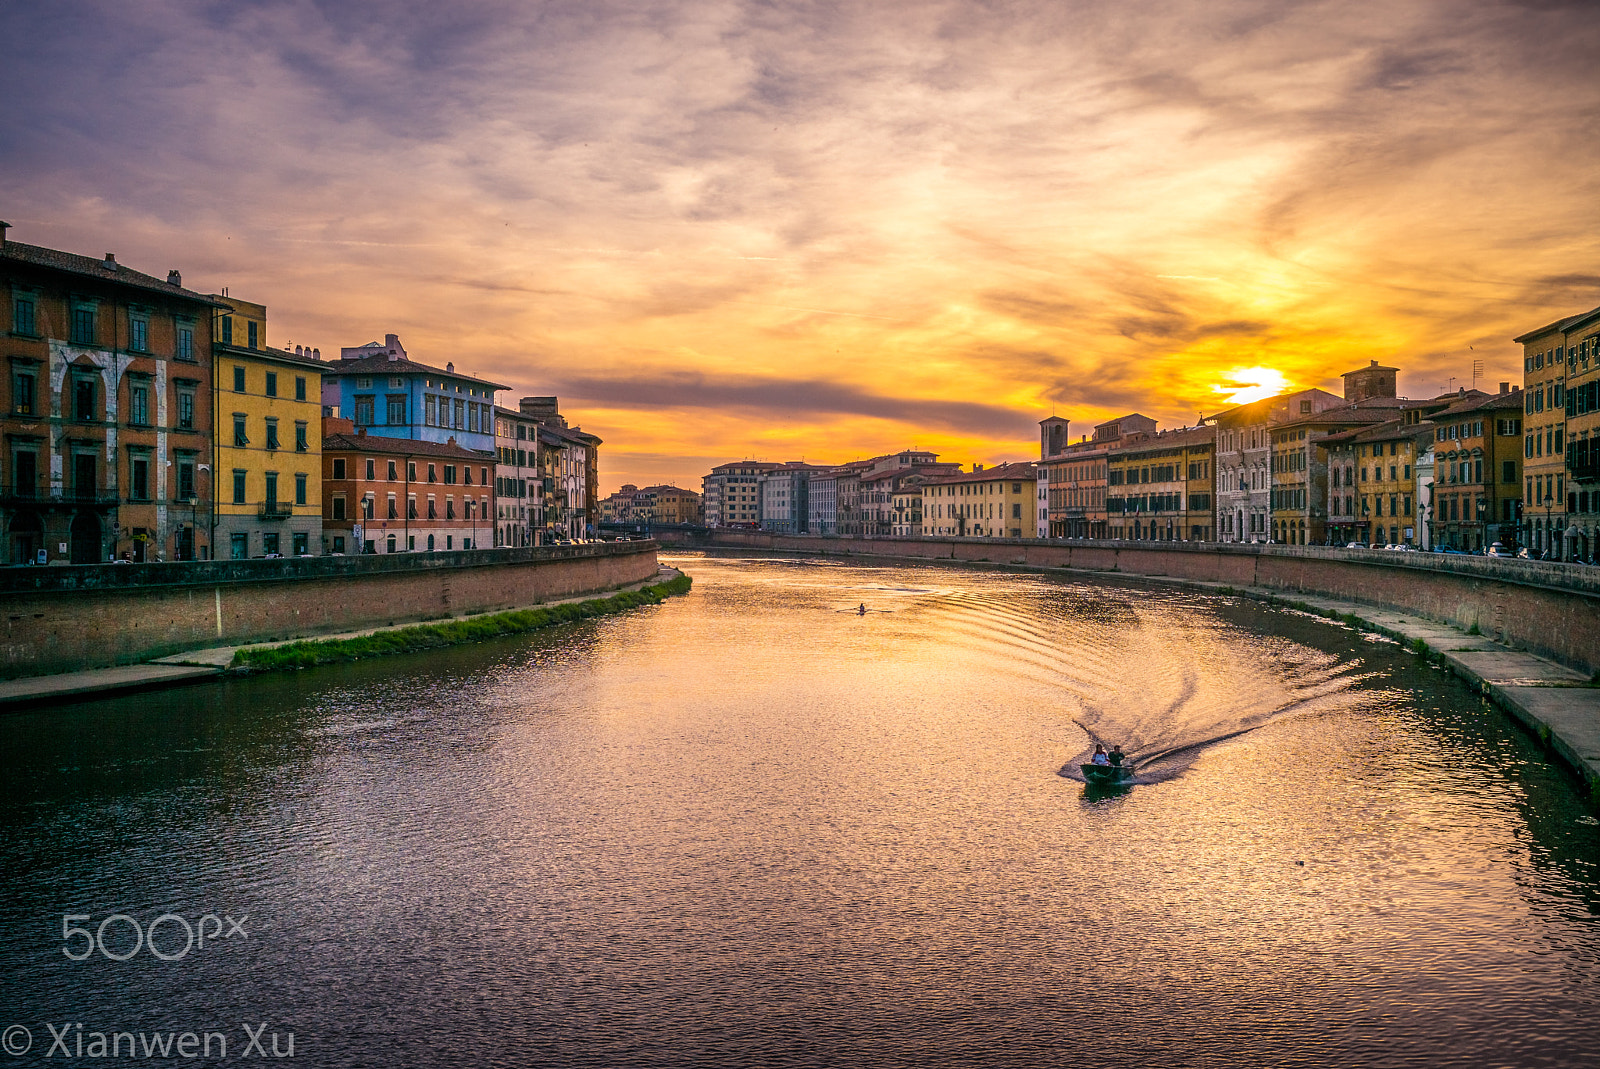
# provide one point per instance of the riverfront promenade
(195, 666)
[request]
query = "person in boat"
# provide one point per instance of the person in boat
(1116, 755)
(863, 610)
(1100, 756)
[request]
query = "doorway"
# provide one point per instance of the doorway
(86, 537)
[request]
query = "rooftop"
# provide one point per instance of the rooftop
(376, 443)
(107, 270)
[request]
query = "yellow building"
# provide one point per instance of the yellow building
(995, 502)
(267, 448)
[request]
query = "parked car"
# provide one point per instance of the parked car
(1355, 545)
(1497, 549)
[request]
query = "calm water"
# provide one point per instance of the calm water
(748, 828)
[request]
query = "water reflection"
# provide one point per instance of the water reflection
(746, 827)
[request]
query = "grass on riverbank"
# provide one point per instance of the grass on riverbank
(313, 652)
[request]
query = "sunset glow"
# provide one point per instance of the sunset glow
(721, 230)
(1246, 384)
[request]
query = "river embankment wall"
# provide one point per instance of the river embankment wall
(1549, 609)
(96, 616)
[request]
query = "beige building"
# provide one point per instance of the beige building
(995, 502)
(1544, 427)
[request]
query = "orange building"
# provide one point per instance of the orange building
(105, 411)
(398, 495)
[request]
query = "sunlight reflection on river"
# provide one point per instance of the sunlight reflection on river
(754, 825)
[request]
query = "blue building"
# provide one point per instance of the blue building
(380, 389)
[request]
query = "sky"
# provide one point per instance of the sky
(813, 230)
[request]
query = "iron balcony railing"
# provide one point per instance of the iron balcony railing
(276, 510)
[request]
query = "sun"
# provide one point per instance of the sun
(1246, 384)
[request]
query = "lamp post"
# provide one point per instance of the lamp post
(1549, 536)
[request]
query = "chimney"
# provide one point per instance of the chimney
(1516, 389)
(450, 366)
(173, 278)
(1505, 387)
(3, 228)
(111, 261)
(361, 432)
(316, 354)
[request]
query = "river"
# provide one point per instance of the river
(752, 826)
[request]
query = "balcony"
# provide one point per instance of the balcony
(276, 510)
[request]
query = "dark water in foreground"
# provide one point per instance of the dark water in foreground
(745, 828)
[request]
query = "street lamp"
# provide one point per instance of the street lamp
(1549, 537)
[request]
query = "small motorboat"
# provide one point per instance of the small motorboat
(1106, 775)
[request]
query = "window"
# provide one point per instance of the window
(238, 380)
(466, 474)
(302, 542)
(186, 410)
(253, 331)
(449, 474)
(272, 379)
(363, 383)
(185, 343)
(83, 399)
(138, 477)
(396, 414)
(394, 512)
(366, 507)
(338, 506)
(272, 434)
(432, 512)
(411, 506)
(22, 318)
(240, 438)
(364, 411)
(411, 471)
(299, 387)
(430, 410)
(238, 486)
(272, 490)
(269, 542)
(371, 468)
(300, 443)
(138, 333)
(239, 546)
(22, 393)
(338, 467)
(227, 330)
(449, 508)
(139, 403)
(393, 471)
(83, 326)
(461, 416)
(186, 479)
(431, 476)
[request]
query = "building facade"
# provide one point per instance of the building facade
(1582, 536)
(1244, 457)
(1544, 420)
(399, 495)
(378, 387)
(1160, 486)
(105, 430)
(732, 493)
(518, 480)
(267, 451)
(995, 502)
(1476, 490)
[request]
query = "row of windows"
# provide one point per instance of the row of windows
(269, 487)
(341, 465)
(85, 474)
(1575, 356)
(83, 327)
(85, 399)
(470, 508)
(270, 384)
(1345, 505)
(241, 435)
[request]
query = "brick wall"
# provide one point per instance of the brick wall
(65, 619)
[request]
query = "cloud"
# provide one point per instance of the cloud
(856, 221)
